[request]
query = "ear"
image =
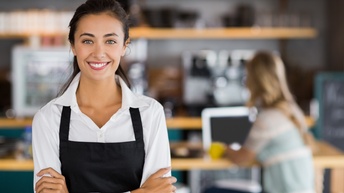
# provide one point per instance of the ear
(73, 49)
(125, 47)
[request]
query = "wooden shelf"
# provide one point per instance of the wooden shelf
(192, 123)
(25, 35)
(183, 123)
(223, 33)
(16, 165)
(327, 157)
(14, 123)
(191, 33)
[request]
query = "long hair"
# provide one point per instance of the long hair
(113, 8)
(266, 80)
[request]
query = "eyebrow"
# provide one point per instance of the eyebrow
(91, 35)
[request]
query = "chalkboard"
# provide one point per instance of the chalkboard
(329, 91)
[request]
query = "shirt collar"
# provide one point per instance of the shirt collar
(129, 98)
(68, 98)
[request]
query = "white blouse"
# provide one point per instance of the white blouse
(46, 125)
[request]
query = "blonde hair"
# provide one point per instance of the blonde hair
(266, 80)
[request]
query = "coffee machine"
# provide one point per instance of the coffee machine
(196, 75)
(214, 79)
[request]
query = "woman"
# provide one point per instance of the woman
(278, 139)
(98, 136)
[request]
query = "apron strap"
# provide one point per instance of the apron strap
(64, 124)
(137, 124)
(135, 118)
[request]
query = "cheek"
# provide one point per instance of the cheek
(80, 52)
(117, 52)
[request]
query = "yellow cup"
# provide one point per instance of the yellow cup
(216, 150)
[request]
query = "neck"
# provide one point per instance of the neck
(98, 93)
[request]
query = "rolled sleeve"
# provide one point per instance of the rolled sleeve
(156, 145)
(44, 145)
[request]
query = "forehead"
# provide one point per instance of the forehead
(103, 23)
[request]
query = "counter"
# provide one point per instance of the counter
(184, 123)
(326, 157)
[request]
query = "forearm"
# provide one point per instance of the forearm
(242, 156)
(138, 191)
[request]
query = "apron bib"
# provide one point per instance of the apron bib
(102, 167)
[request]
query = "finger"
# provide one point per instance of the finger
(41, 181)
(44, 185)
(49, 182)
(174, 189)
(160, 172)
(47, 190)
(168, 180)
(173, 180)
(49, 171)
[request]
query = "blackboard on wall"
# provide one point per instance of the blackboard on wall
(329, 91)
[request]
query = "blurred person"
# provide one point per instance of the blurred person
(279, 138)
(97, 135)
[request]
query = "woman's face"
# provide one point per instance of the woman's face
(98, 46)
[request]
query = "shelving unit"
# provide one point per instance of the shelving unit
(326, 157)
(208, 33)
(175, 123)
(192, 123)
(224, 33)
(182, 123)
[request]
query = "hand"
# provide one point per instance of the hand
(51, 182)
(156, 183)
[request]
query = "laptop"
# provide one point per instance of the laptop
(229, 125)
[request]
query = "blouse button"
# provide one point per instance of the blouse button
(100, 137)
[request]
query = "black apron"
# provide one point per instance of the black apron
(102, 167)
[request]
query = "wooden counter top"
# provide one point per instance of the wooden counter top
(14, 123)
(196, 122)
(184, 123)
(16, 165)
(327, 157)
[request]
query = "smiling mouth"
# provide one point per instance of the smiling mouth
(98, 65)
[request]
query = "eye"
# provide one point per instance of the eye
(110, 41)
(87, 42)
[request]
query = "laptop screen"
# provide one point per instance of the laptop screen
(230, 129)
(229, 125)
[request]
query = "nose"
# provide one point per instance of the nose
(99, 51)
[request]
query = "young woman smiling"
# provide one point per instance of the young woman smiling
(97, 135)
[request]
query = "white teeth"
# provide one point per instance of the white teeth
(97, 65)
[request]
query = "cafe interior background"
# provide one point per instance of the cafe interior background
(186, 71)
